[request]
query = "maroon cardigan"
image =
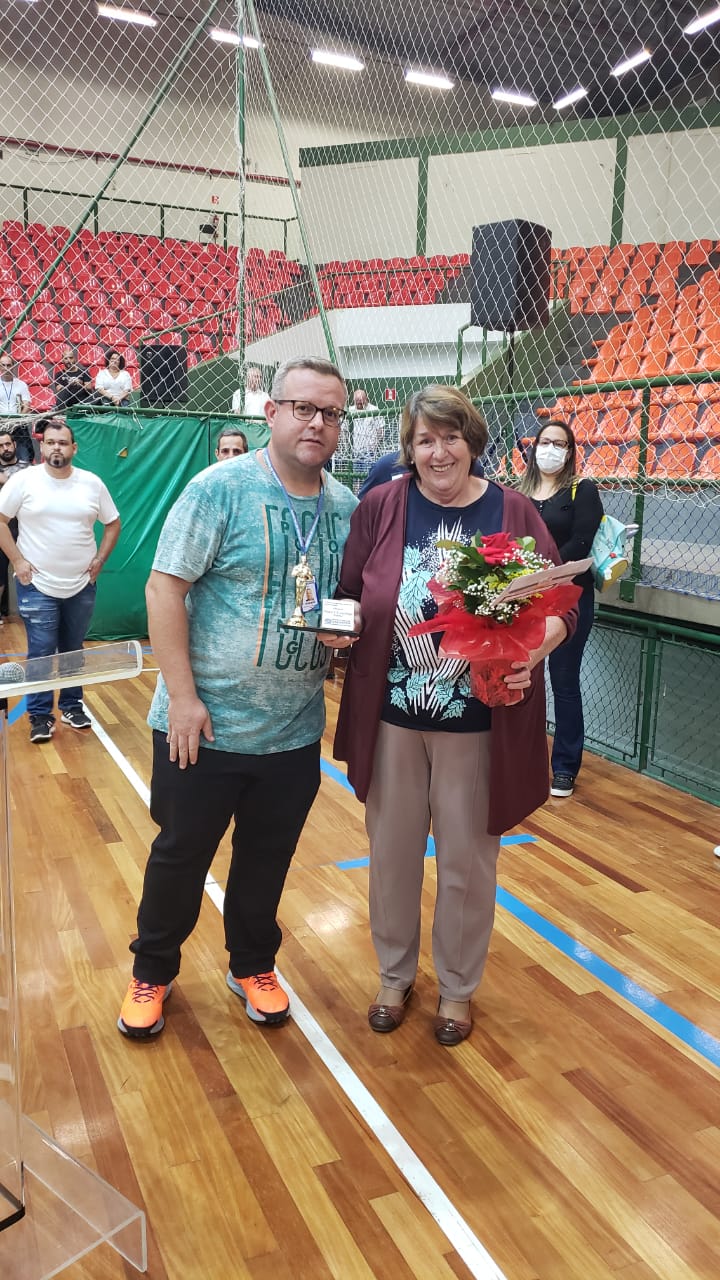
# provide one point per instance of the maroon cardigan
(371, 571)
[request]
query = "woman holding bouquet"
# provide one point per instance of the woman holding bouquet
(572, 511)
(419, 746)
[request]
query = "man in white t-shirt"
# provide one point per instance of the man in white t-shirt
(14, 393)
(255, 398)
(15, 402)
(56, 561)
(365, 432)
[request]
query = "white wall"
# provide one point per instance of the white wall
(85, 113)
(361, 210)
(672, 187)
(548, 185)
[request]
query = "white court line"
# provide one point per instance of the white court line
(451, 1223)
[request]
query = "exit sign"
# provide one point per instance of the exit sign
(390, 393)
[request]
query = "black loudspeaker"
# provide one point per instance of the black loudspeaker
(510, 275)
(163, 375)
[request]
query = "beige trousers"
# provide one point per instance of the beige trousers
(418, 777)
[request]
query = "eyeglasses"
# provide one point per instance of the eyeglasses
(305, 412)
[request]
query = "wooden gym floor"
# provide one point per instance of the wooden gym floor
(575, 1136)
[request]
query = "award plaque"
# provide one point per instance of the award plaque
(337, 617)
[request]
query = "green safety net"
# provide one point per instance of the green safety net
(145, 461)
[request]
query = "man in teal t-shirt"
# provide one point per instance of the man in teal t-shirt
(239, 707)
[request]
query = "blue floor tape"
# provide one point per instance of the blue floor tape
(704, 1044)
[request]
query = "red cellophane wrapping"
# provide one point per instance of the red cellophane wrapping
(491, 647)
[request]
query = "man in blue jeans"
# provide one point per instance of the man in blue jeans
(56, 561)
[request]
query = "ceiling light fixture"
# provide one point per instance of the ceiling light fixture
(231, 37)
(429, 80)
(517, 99)
(703, 21)
(126, 15)
(627, 64)
(341, 60)
(568, 99)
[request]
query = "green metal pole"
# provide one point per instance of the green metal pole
(164, 89)
(650, 649)
(25, 207)
(252, 15)
(619, 188)
(459, 349)
(242, 278)
(422, 201)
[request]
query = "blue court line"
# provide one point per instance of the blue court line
(18, 710)
(704, 1044)
(680, 1027)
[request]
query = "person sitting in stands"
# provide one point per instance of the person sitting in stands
(113, 382)
(231, 443)
(10, 464)
(73, 384)
(15, 402)
(255, 397)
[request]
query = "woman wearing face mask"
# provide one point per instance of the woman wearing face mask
(572, 511)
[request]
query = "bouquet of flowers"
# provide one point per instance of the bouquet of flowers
(494, 596)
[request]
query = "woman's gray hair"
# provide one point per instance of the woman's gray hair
(442, 406)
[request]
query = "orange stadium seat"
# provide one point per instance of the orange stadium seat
(603, 461)
(709, 465)
(675, 461)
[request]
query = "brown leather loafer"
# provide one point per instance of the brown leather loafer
(388, 1017)
(449, 1031)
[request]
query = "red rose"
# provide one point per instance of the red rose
(496, 548)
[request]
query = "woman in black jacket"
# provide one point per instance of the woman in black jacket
(572, 511)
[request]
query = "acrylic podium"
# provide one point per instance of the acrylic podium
(53, 1210)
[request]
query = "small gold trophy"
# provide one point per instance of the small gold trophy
(303, 575)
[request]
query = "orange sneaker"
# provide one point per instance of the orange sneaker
(264, 998)
(141, 1014)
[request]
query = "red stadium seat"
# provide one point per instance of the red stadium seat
(25, 330)
(82, 333)
(42, 397)
(104, 316)
(26, 350)
(91, 353)
(112, 335)
(75, 314)
(34, 374)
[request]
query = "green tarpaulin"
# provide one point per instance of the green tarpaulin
(145, 461)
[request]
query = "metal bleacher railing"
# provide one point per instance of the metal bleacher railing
(102, 219)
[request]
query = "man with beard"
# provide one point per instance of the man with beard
(56, 561)
(10, 464)
(73, 384)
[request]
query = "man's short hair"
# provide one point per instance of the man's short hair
(232, 431)
(57, 423)
(9, 435)
(314, 363)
